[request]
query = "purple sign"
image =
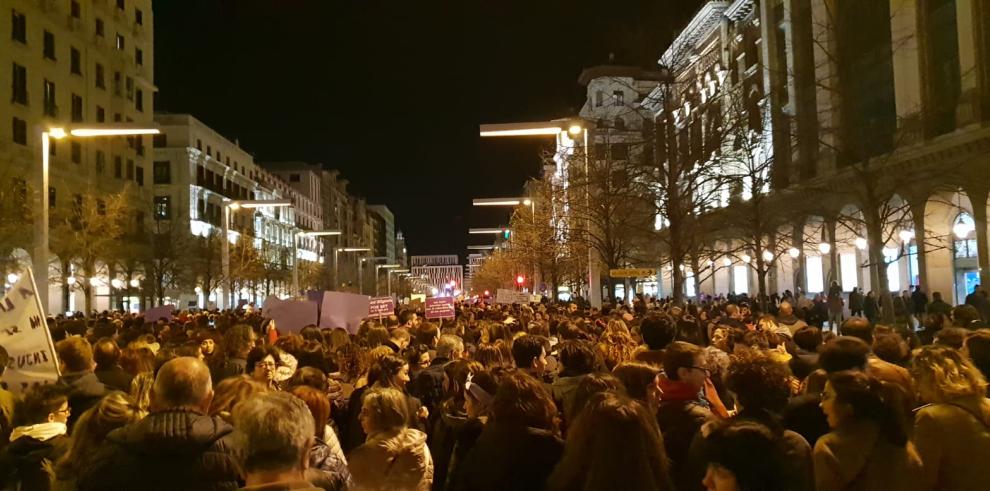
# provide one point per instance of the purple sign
(440, 308)
(290, 315)
(345, 310)
(381, 307)
(155, 313)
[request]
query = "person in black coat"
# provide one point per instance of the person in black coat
(106, 353)
(428, 384)
(39, 440)
(520, 447)
(871, 307)
(75, 356)
(177, 446)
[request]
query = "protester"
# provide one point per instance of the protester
(37, 441)
(395, 457)
(682, 409)
(953, 430)
(277, 430)
(176, 446)
(106, 354)
(743, 455)
(75, 356)
(112, 412)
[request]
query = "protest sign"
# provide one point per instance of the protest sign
(345, 310)
(290, 315)
(24, 335)
(163, 311)
(506, 296)
(440, 308)
(381, 307)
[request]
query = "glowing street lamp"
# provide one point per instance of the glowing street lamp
(39, 257)
(860, 243)
(234, 205)
(337, 251)
(824, 247)
(295, 253)
(794, 252)
(767, 256)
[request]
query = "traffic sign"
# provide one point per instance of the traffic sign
(632, 272)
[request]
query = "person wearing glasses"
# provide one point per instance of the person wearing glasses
(262, 362)
(39, 439)
(683, 408)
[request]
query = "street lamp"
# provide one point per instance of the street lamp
(295, 253)
(40, 256)
(379, 267)
(480, 247)
(338, 250)
(234, 205)
(484, 231)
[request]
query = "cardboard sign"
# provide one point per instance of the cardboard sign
(153, 314)
(345, 310)
(290, 315)
(440, 308)
(632, 272)
(24, 334)
(381, 307)
(506, 296)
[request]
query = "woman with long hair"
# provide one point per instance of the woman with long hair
(327, 463)
(743, 455)
(453, 414)
(614, 443)
(112, 412)
(394, 456)
(231, 391)
(952, 432)
(388, 372)
(868, 447)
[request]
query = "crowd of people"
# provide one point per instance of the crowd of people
(724, 394)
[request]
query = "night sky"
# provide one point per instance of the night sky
(391, 92)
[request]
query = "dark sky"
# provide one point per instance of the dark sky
(391, 92)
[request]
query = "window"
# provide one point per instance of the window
(116, 83)
(20, 131)
(209, 150)
(75, 9)
(849, 270)
(139, 176)
(130, 170)
(138, 17)
(77, 108)
(816, 275)
(199, 145)
(100, 31)
(101, 82)
(219, 159)
(49, 46)
(139, 100)
(52, 147)
(120, 4)
(740, 278)
(101, 207)
(294, 178)
(75, 61)
(620, 152)
(117, 118)
(162, 172)
(120, 42)
(139, 145)
(118, 168)
(101, 115)
(19, 85)
(51, 197)
(129, 85)
(49, 97)
(18, 31)
(619, 99)
(620, 124)
(76, 152)
(163, 208)
(160, 140)
(101, 162)
(139, 56)
(599, 98)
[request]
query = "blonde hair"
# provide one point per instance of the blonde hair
(617, 326)
(942, 373)
(115, 410)
(386, 409)
(232, 390)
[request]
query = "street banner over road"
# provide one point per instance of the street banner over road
(381, 307)
(24, 335)
(506, 296)
(440, 308)
(632, 272)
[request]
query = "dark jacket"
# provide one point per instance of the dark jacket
(803, 363)
(24, 460)
(939, 307)
(232, 367)
(85, 390)
(804, 416)
(510, 457)
(856, 301)
(173, 449)
(680, 416)
(465, 437)
(442, 440)
(115, 378)
(920, 301)
(428, 385)
(327, 470)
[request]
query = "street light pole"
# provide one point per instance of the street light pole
(228, 206)
(39, 258)
(337, 250)
(295, 253)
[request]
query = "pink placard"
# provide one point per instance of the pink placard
(381, 307)
(345, 310)
(440, 308)
(155, 313)
(290, 315)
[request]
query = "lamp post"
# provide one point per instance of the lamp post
(561, 128)
(336, 252)
(40, 256)
(388, 280)
(234, 205)
(361, 271)
(379, 267)
(523, 201)
(295, 253)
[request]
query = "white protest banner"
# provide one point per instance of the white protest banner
(24, 335)
(345, 310)
(506, 296)
(381, 307)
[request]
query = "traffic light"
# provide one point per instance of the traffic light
(487, 293)
(520, 279)
(506, 233)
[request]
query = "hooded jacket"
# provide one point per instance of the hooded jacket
(680, 415)
(85, 390)
(856, 457)
(393, 461)
(32, 449)
(508, 456)
(171, 449)
(953, 440)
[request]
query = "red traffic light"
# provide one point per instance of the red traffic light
(487, 293)
(520, 279)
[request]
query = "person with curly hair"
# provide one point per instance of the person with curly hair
(743, 455)
(952, 432)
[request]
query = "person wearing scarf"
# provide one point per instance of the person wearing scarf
(39, 440)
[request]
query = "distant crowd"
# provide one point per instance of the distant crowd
(729, 393)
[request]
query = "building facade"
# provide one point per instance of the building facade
(442, 273)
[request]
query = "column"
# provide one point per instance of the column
(978, 197)
(966, 29)
(918, 214)
(798, 266)
(907, 74)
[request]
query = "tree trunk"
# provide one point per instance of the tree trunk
(878, 272)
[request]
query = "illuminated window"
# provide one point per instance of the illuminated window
(815, 273)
